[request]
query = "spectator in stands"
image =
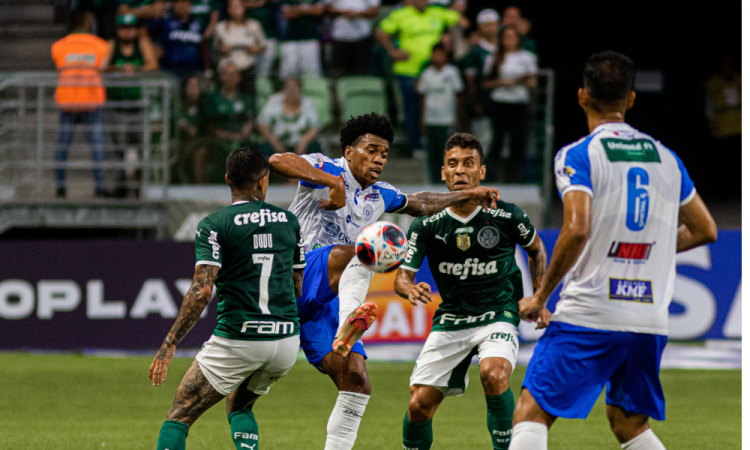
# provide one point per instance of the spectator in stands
(512, 17)
(129, 54)
(508, 78)
(418, 27)
(240, 40)
(439, 85)
(188, 122)
(289, 122)
(80, 58)
(488, 25)
(180, 36)
(265, 12)
(228, 119)
(300, 47)
(724, 114)
(351, 34)
(208, 12)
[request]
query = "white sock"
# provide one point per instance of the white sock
(353, 286)
(529, 436)
(344, 421)
(644, 441)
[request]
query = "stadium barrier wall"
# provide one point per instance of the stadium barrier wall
(125, 295)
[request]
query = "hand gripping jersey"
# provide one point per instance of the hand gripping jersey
(257, 246)
(473, 262)
(624, 278)
(341, 227)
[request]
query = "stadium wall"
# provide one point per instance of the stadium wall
(80, 295)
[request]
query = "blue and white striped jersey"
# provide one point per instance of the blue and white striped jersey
(363, 206)
(624, 278)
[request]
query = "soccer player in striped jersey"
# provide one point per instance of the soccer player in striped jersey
(624, 195)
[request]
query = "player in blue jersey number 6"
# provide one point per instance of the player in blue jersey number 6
(336, 198)
(472, 256)
(252, 251)
(624, 195)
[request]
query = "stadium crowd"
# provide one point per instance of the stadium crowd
(277, 73)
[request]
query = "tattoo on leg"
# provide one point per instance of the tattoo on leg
(194, 396)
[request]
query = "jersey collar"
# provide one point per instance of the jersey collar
(463, 220)
(239, 202)
(613, 126)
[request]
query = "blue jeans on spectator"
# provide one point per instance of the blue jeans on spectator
(94, 136)
(412, 119)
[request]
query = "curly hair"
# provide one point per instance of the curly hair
(372, 123)
(246, 166)
(464, 140)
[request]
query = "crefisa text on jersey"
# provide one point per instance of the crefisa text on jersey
(261, 217)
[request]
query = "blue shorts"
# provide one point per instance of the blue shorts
(318, 309)
(571, 365)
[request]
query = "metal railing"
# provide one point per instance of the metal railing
(126, 142)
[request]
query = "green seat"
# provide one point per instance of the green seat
(361, 95)
(317, 90)
(263, 91)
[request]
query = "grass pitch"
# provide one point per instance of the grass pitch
(74, 402)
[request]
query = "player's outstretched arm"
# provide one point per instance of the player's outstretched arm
(291, 165)
(405, 288)
(573, 237)
(195, 302)
(426, 203)
(698, 226)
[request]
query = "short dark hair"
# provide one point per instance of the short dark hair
(246, 166)
(608, 77)
(439, 46)
(78, 18)
(464, 140)
(372, 123)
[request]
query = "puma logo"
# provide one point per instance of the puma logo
(251, 447)
(198, 232)
(443, 238)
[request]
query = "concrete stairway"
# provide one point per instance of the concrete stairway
(27, 30)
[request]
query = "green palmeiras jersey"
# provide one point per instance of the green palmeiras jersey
(473, 262)
(257, 246)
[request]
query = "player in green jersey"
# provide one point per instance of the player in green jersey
(252, 251)
(471, 254)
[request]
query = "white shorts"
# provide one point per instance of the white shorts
(445, 359)
(226, 363)
(301, 58)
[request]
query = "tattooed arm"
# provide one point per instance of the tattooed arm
(537, 254)
(193, 305)
(297, 277)
(425, 203)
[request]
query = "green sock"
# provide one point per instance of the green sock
(244, 429)
(500, 418)
(417, 436)
(172, 436)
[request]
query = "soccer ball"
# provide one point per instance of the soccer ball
(381, 247)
